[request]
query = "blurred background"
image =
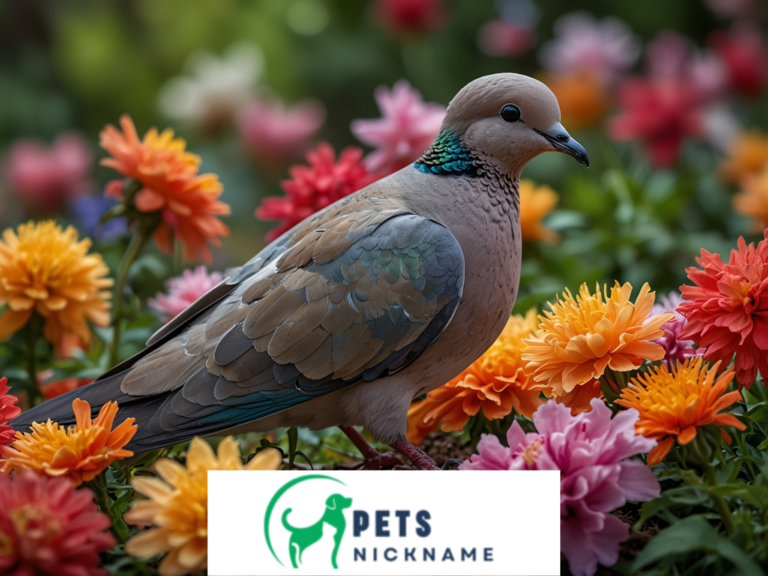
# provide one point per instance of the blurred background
(666, 96)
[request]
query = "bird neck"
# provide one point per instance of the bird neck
(447, 156)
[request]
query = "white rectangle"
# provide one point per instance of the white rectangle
(490, 522)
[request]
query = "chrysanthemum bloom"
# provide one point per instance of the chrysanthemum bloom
(47, 528)
(747, 156)
(672, 405)
(675, 348)
(727, 309)
(46, 270)
(603, 49)
(753, 199)
(189, 203)
(43, 178)
(276, 134)
(178, 507)
(214, 88)
(591, 451)
(659, 113)
(494, 382)
(183, 291)
(80, 452)
(410, 16)
(745, 56)
(8, 411)
(579, 338)
(53, 388)
(406, 129)
(535, 203)
(583, 98)
(312, 188)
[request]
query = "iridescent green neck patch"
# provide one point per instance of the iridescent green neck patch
(447, 155)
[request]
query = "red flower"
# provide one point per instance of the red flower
(659, 112)
(312, 188)
(47, 528)
(727, 309)
(56, 388)
(745, 57)
(415, 16)
(8, 411)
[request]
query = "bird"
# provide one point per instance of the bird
(362, 307)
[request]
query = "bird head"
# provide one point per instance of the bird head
(511, 119)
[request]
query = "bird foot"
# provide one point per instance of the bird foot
(416, 455)
(372, 458)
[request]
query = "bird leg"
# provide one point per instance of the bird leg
(372, 458)
(416, 455)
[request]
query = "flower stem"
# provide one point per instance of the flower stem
(33, 332)
(720, 504)
(134, 249)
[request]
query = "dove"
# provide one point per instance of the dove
(362, 307)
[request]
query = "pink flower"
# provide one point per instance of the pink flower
(312, 188)
(410, 16)
(47, 528)
(406, 130)
(675, 348)
(745, 56)
(183, 291)
(671, 56)
(276, 134)
(583, 44)
(8, 411)
(43, 177)
(591, 451)
(735, 7)
(661, 113)
(502, 38)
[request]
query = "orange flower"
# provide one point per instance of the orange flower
(579, 338)
(535, 203)
(673, 405)
(81, 452)
(189, 202)
(45, 269)
(56, 388)
(494, 382)
(583, 98)
(753, 200)
(747, 155)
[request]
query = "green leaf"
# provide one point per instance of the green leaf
(694, 534)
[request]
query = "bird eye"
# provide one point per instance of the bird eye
(510, 113)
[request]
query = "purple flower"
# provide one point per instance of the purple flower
(584, 44)
(591, 451)
(183, 291)
(87, 212)
(675, 349)
(407, 128)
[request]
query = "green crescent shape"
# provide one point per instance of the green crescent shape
(287, 486)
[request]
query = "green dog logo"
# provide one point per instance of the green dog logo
(303, 538)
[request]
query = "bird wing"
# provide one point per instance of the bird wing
(354, 297)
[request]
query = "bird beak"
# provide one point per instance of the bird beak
(562, 142)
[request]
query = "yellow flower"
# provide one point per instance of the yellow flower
(747, 155)
(579, 338)
(753, 200)
(45, 269)
(81, 452)
(178, 507)
(494, 382)
(673, 405)
(535, 203)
